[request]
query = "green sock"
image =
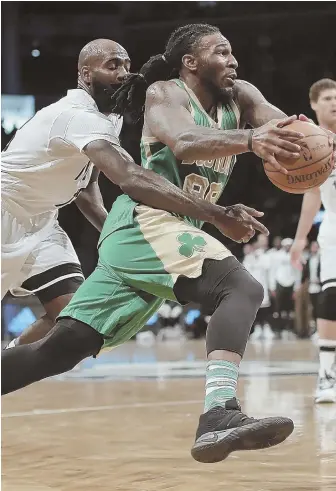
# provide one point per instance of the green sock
(221, 383)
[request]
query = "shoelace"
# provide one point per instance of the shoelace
(326, 383)
(245, 417)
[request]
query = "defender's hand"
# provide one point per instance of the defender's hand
(304, 118)
(273, 140)
(332, 135)
(238, 222)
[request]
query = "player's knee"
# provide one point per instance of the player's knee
(229, 278)
(250, 289)
(241, 283)
(68, 343)
(58, 350)
(326, 308)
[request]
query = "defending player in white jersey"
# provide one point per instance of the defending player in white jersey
(55, 156)
(46, 166)
(323, 101)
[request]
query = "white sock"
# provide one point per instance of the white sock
(12, 344)
(327, 359)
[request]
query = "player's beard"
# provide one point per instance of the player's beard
(102, 94)
(223, 95)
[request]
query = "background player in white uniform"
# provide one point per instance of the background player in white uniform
(47, 164)
(323, 101)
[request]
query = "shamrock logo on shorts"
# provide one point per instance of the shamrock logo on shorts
(190, 243)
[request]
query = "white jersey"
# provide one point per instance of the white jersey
(44, 167)
(282, 271)
(327, 232)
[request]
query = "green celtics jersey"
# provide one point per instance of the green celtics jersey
(206, 179)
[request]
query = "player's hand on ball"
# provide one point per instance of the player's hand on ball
(238, 222)
(273, 140)
(304, 118)
(296, 253)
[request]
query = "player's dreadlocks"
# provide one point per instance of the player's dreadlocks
(131, 95)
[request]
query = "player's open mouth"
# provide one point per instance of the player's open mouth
(231, 78)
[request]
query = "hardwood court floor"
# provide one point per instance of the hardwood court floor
(130, 434)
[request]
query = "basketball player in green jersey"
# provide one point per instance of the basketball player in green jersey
(191, 136)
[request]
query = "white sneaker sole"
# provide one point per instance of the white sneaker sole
(325, 396)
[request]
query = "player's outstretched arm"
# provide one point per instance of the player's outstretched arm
(311, 204)
(90, 202)
(237, 222)
(168, 119)
(145, 185)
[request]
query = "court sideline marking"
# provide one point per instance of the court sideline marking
(46, 412)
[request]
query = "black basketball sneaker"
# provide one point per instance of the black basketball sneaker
(224, 430)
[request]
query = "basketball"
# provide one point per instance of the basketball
(314, 165)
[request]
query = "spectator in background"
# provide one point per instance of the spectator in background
(261, 243)
(283, 280)
(169, 315)
(257, 262)
(311, 273)
(247, 250)
(195, 321)
(276, 246)
(302, 305)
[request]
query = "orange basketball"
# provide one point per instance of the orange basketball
(314, 165)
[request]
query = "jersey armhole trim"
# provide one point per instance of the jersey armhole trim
(150, 139)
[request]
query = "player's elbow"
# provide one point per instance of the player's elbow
(183, 148)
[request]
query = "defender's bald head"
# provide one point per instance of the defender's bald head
(96, 51)
(103, 66)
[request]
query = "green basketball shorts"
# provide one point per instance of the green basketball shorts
(142, 252)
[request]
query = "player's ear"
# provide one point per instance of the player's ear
(313, 105)
(190, 62)
(85, 74)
